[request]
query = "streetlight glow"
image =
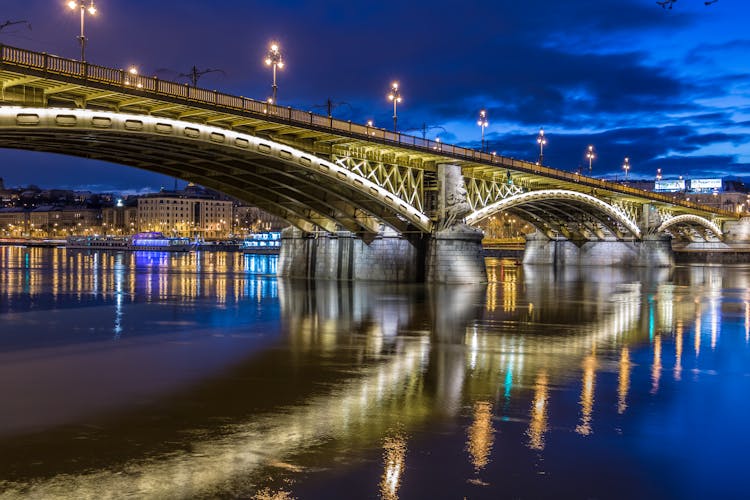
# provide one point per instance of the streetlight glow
(275, 60)
(81, 4)
(590, 155)
(541, 140)
(395, 96)
(482, 122)
(626, 167)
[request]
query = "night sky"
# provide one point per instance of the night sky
(669, 88)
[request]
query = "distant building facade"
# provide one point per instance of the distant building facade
(49, 221)
(120, 219)
(181, 215)
(254, 220)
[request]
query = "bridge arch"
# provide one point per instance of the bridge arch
(692, 221)
(308, 191)
(573, 214)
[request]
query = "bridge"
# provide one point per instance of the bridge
(366, 203)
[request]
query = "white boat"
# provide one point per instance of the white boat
(263, 243)
(149, 241)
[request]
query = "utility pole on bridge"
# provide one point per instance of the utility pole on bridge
(80, 4)
(395, 96)
(541, 140)
(274, 59)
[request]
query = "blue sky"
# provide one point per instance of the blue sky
(669, 88)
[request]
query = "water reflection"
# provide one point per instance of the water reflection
(53, 278)
(351, 367)
(394, 455)
(623, 377)
(538, 418)
(587, 395)
(480, 435)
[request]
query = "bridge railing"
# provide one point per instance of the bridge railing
(136, 83)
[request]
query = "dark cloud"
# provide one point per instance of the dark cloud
(669, 152)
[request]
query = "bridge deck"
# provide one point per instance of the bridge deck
(33, 78)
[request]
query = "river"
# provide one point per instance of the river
(202, 375)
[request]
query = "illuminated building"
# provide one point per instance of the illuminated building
(182, 215)
(120, 219)
(48, 221)
(254, 220)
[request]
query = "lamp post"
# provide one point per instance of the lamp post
(626, 167)
(482, 122)
(274, 59)
(395, 96)
(590, 155)
(541, 140)
(80, 4)
(658, 174)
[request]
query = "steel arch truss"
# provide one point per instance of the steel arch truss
(691, 227)
(405, 182)
(482, 192)
(557, 212)
(310, 192)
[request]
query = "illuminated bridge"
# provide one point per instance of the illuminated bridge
(366, 203)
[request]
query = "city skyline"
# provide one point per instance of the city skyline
(663, 87)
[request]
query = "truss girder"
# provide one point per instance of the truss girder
(571, 213)
(405, 182)
(484, 192)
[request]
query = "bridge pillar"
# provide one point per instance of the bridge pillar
(649, 218)
(451, 254)
(737, 232)
(651, 251)
(344, 256)
(454, 250)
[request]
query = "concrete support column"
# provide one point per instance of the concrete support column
(454, 251)
(649, 219)
(737, 232)
(344, 256)
(651, 251)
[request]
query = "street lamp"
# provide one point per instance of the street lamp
(274, 59)
(482, 122)
(626, 167)
(80, 4)
(658, 174)
(395, 96)
(541, 140)
(590, 155)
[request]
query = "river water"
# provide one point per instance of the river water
(202, 375)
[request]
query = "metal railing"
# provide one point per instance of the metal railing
(87, 72)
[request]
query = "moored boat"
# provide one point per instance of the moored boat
(148, 241)
(262, 243)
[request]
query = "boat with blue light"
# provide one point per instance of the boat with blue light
(148, 241)
(262, 243)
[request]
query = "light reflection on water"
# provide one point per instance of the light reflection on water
(208, 379)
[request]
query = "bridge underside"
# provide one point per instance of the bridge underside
(559, 213)
(692, 228)
(306, 191)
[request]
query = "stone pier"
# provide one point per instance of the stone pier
(455, 255)
(451, 254)
(652, 251)
(344, 256)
